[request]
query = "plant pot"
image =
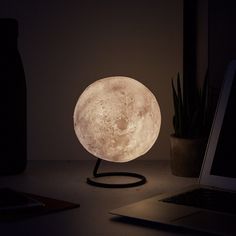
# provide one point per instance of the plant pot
(187, 156)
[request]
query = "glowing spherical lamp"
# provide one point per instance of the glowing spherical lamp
(117, 119)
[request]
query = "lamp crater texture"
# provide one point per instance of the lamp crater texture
(117, 119)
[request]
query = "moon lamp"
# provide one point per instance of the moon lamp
(117, 119)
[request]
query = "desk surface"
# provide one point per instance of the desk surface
(65, 180)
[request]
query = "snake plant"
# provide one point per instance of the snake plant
(190, 118)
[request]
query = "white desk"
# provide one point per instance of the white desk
(67, 181)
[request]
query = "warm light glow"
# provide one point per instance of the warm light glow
(117, 119)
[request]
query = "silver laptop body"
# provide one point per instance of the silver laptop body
(156, 210)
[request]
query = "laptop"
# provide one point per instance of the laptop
(209, 206)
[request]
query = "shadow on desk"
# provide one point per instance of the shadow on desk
(157, 226)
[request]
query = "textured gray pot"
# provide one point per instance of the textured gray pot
(186, 156)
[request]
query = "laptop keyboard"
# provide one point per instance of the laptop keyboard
(207, 199)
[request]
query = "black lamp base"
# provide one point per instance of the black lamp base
(92, 181)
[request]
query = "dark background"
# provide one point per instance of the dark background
(66, 45)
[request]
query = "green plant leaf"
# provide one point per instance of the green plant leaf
(191, 118)
(175, 100)
(204, 100)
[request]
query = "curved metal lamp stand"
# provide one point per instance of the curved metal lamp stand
(92, 181)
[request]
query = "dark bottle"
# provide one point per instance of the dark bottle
(13, 149)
